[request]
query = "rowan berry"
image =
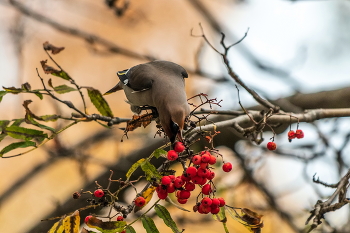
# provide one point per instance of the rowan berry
(202, 172)
(182, 201)
(299, 134)
(197, 179)
(215, 202)
(196, 160)
(172, 155)
(165, 180)
(206, 189)
(210, 175)
(227, 167)
(162, 195)
(87, 218)
(172, 177)
(99, 193)
(120, 218)
(222, 201)
(205, 158)
(203, 165)
(214, 209)
(185, 177)
(184, 194)
(203, 181)
(191, 171)
(271, 146)
(140, 201)
(291, 135)
(178, 183)
(76, 195)
(204, 209)
(189, 186)
(206, 201)
(179, 147)
(170, 188)
(212, 160)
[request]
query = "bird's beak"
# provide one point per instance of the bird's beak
(114, 89)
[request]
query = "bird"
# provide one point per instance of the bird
(157, 84)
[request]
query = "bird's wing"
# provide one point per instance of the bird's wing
(138, 78)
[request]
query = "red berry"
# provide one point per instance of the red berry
(204, 209)
(189, 186)
(227, 167)
(203, 181)
(222, 201)
(210, 175)
(206, 201)
(271, 146)
(179, 147)
(120, 218)
(291, 135)
(184, 194)
(172, 177)
(212, 160)
(162, 195)
(172, 155)
(123, 231)
(181, 201)
(196, 160)
(191, 171)
(170, 188)
(197, 179)
(140, 201)
(214, 209)
(99, 193)
(206, 189)
(299, 134)
(205, 158)
(178, 183)
(185, 177)
(87, 218)
(203, 165)
(215, 202)
(165, 180)
(202, 172)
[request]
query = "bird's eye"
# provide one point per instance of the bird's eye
(184, 74)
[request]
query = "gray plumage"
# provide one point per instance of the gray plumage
(158, 84)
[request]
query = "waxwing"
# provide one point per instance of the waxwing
(160, 85)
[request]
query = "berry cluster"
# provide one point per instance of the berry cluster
(174, 154)
(200, 173)
(291, 135)
(297, 134)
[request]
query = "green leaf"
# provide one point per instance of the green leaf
(150, 171)
(221, 216)
(30, 120)
(106, 227)
(63, 89)
(62, 74)
(13, 90)
(39, 95)
(2, 93)
(159, 153)
(17, 122)
(4, 124)
(15, 146)
(130, 229)
(49, 118)
(164, 214)
(149, 225)
(134, 167)
(25, 133)
(2, 136)
(99, 102)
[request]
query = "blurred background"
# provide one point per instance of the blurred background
(296, 54)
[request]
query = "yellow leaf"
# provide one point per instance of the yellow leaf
(147, 194)
(72, 223)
